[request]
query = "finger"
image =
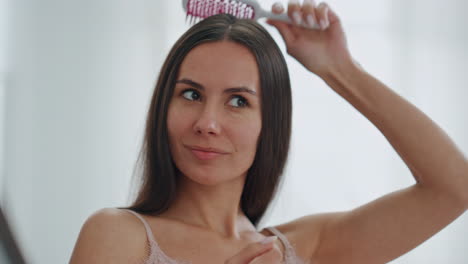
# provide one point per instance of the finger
(308, 14)
(322, 15)
(332, 16)
(277, 8)
(284, 29)
(294, 12)
(252, 251)
(272, 256)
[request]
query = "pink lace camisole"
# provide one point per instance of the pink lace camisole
(157, 256)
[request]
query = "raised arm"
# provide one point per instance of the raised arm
(396, 223)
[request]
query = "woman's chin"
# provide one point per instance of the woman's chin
(209, 178)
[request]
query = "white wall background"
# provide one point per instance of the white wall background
(80, 74)
(3, 30)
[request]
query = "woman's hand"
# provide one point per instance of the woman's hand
(316, 39)
(258, 253)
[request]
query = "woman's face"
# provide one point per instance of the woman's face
(214, 117)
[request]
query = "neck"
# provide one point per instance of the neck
(211, 208)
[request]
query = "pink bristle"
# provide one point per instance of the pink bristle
(200, 9)
(211, 8)
(236, 10)
(227, 8)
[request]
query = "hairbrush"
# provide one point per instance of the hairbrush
(197, 10)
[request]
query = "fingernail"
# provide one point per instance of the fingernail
(278, 6)
(326, 13)
(323, 24)
(311, 21)
(297, 17)
(268, 240)
(308, 2)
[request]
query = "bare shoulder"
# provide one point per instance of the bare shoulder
(304, 233)
(110, 235)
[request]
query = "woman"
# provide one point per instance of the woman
(216, 142)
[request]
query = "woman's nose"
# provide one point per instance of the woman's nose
(207, 122)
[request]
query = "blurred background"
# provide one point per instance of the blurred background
(76, 78)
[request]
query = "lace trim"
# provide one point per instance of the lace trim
(290, 256)
(157, 256)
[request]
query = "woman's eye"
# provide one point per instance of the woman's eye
(238, 101)
(191, 95)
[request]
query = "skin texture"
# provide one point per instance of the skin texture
(214, 117)
(208, 205)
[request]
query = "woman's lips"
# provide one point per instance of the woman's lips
(205, 154)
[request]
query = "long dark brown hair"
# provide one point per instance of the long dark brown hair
(158, 177)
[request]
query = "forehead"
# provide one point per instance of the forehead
(222, 63)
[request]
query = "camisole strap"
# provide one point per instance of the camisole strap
(149, 233)
(289, 252)
(156, 255)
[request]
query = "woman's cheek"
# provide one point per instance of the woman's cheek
(174, 122)
(247, 133)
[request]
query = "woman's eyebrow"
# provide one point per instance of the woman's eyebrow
(239, 89)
